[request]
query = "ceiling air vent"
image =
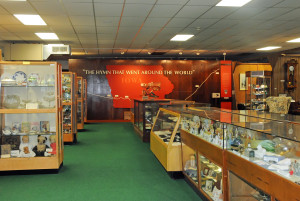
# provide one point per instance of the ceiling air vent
(158, 53)
(56, 49)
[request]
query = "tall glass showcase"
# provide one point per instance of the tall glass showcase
(31, 116)
(258, 89)
(69, 107)
(144, 114)
(80, 103)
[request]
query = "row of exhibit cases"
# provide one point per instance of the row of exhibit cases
(219, 147)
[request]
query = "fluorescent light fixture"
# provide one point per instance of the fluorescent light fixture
(30, 19)
(233, 3)
(49, 36)
(181, 37)
(296, 40)
(269, 48)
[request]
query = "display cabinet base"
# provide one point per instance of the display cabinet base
(195, 188)
(144, 137)
(35, 163)
(169, 156)
(80, 126)
(70, 138)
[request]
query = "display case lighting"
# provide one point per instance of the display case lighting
(180, 53)
(122, 52)
(30, 19)
(233, 3)
(149, 53)
(198, 53)
(268, 48)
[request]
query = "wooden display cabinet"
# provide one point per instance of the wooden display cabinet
(31, 116)
(165, 139)
(69, 107)
(85, 100)
(80, 103)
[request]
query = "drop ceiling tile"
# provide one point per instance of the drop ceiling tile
(192, 11)
(3, 11)
(79, 8)
(172, 2)
(264, 3)
(219, 12)
(292, 15)
(132, 21)
(84, 29)
(107, 30)
(156, 22)
(148, 31)
(136, 10)
(19, 7)
(56, 19)
(82, 20)
(108, 10)
(203, 2)
(271, 13)
(245, 13)
(110, 1)
(107, 37)
(3, 30)
(164, 10)
(180, 22)
(9, 19)
(203, 23)
(48, 7)
(10, 37)
(62, 28)
(27, 29)
(105, 42)
(271, 24)
(107, 21)
(224, 24)
(28, 36)
(140, 1)
(288, 4)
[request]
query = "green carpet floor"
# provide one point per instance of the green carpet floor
(109, 163)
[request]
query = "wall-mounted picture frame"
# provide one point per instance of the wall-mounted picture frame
(243, 82)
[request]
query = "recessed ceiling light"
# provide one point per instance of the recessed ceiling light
(233, 3)
(296, 40)
(269, 48)
(181, 37)
(30, 19)
(198, 53)
(149, 53)
(122, 52)
(180, 53)
(49, 36)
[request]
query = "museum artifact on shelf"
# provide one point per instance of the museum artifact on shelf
(69, 107)
(258, 89)
(30, 112)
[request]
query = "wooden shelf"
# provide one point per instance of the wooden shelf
(26, 111)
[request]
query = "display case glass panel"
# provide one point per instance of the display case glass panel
(189, 162)
(211, 178)
(259, 89)
(240, 190)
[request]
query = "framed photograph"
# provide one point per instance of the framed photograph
(243, 82)
(209, 185)
(205, 171)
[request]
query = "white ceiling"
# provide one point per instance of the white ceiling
(108, 27)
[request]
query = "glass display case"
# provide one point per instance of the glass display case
(69, 107)
(258, 89)
(31, 116)
(80, 107)
(165, 140)
(144, 114)
(85, 100)
(258, 150)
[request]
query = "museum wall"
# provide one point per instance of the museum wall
(279, 78)
(242, 68)
(108, 78)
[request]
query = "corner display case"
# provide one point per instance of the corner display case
(80, 107)
(69, 107)
(165, 140)
(31, 116)
(85, 100)
(144, 114)
(259, 90)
